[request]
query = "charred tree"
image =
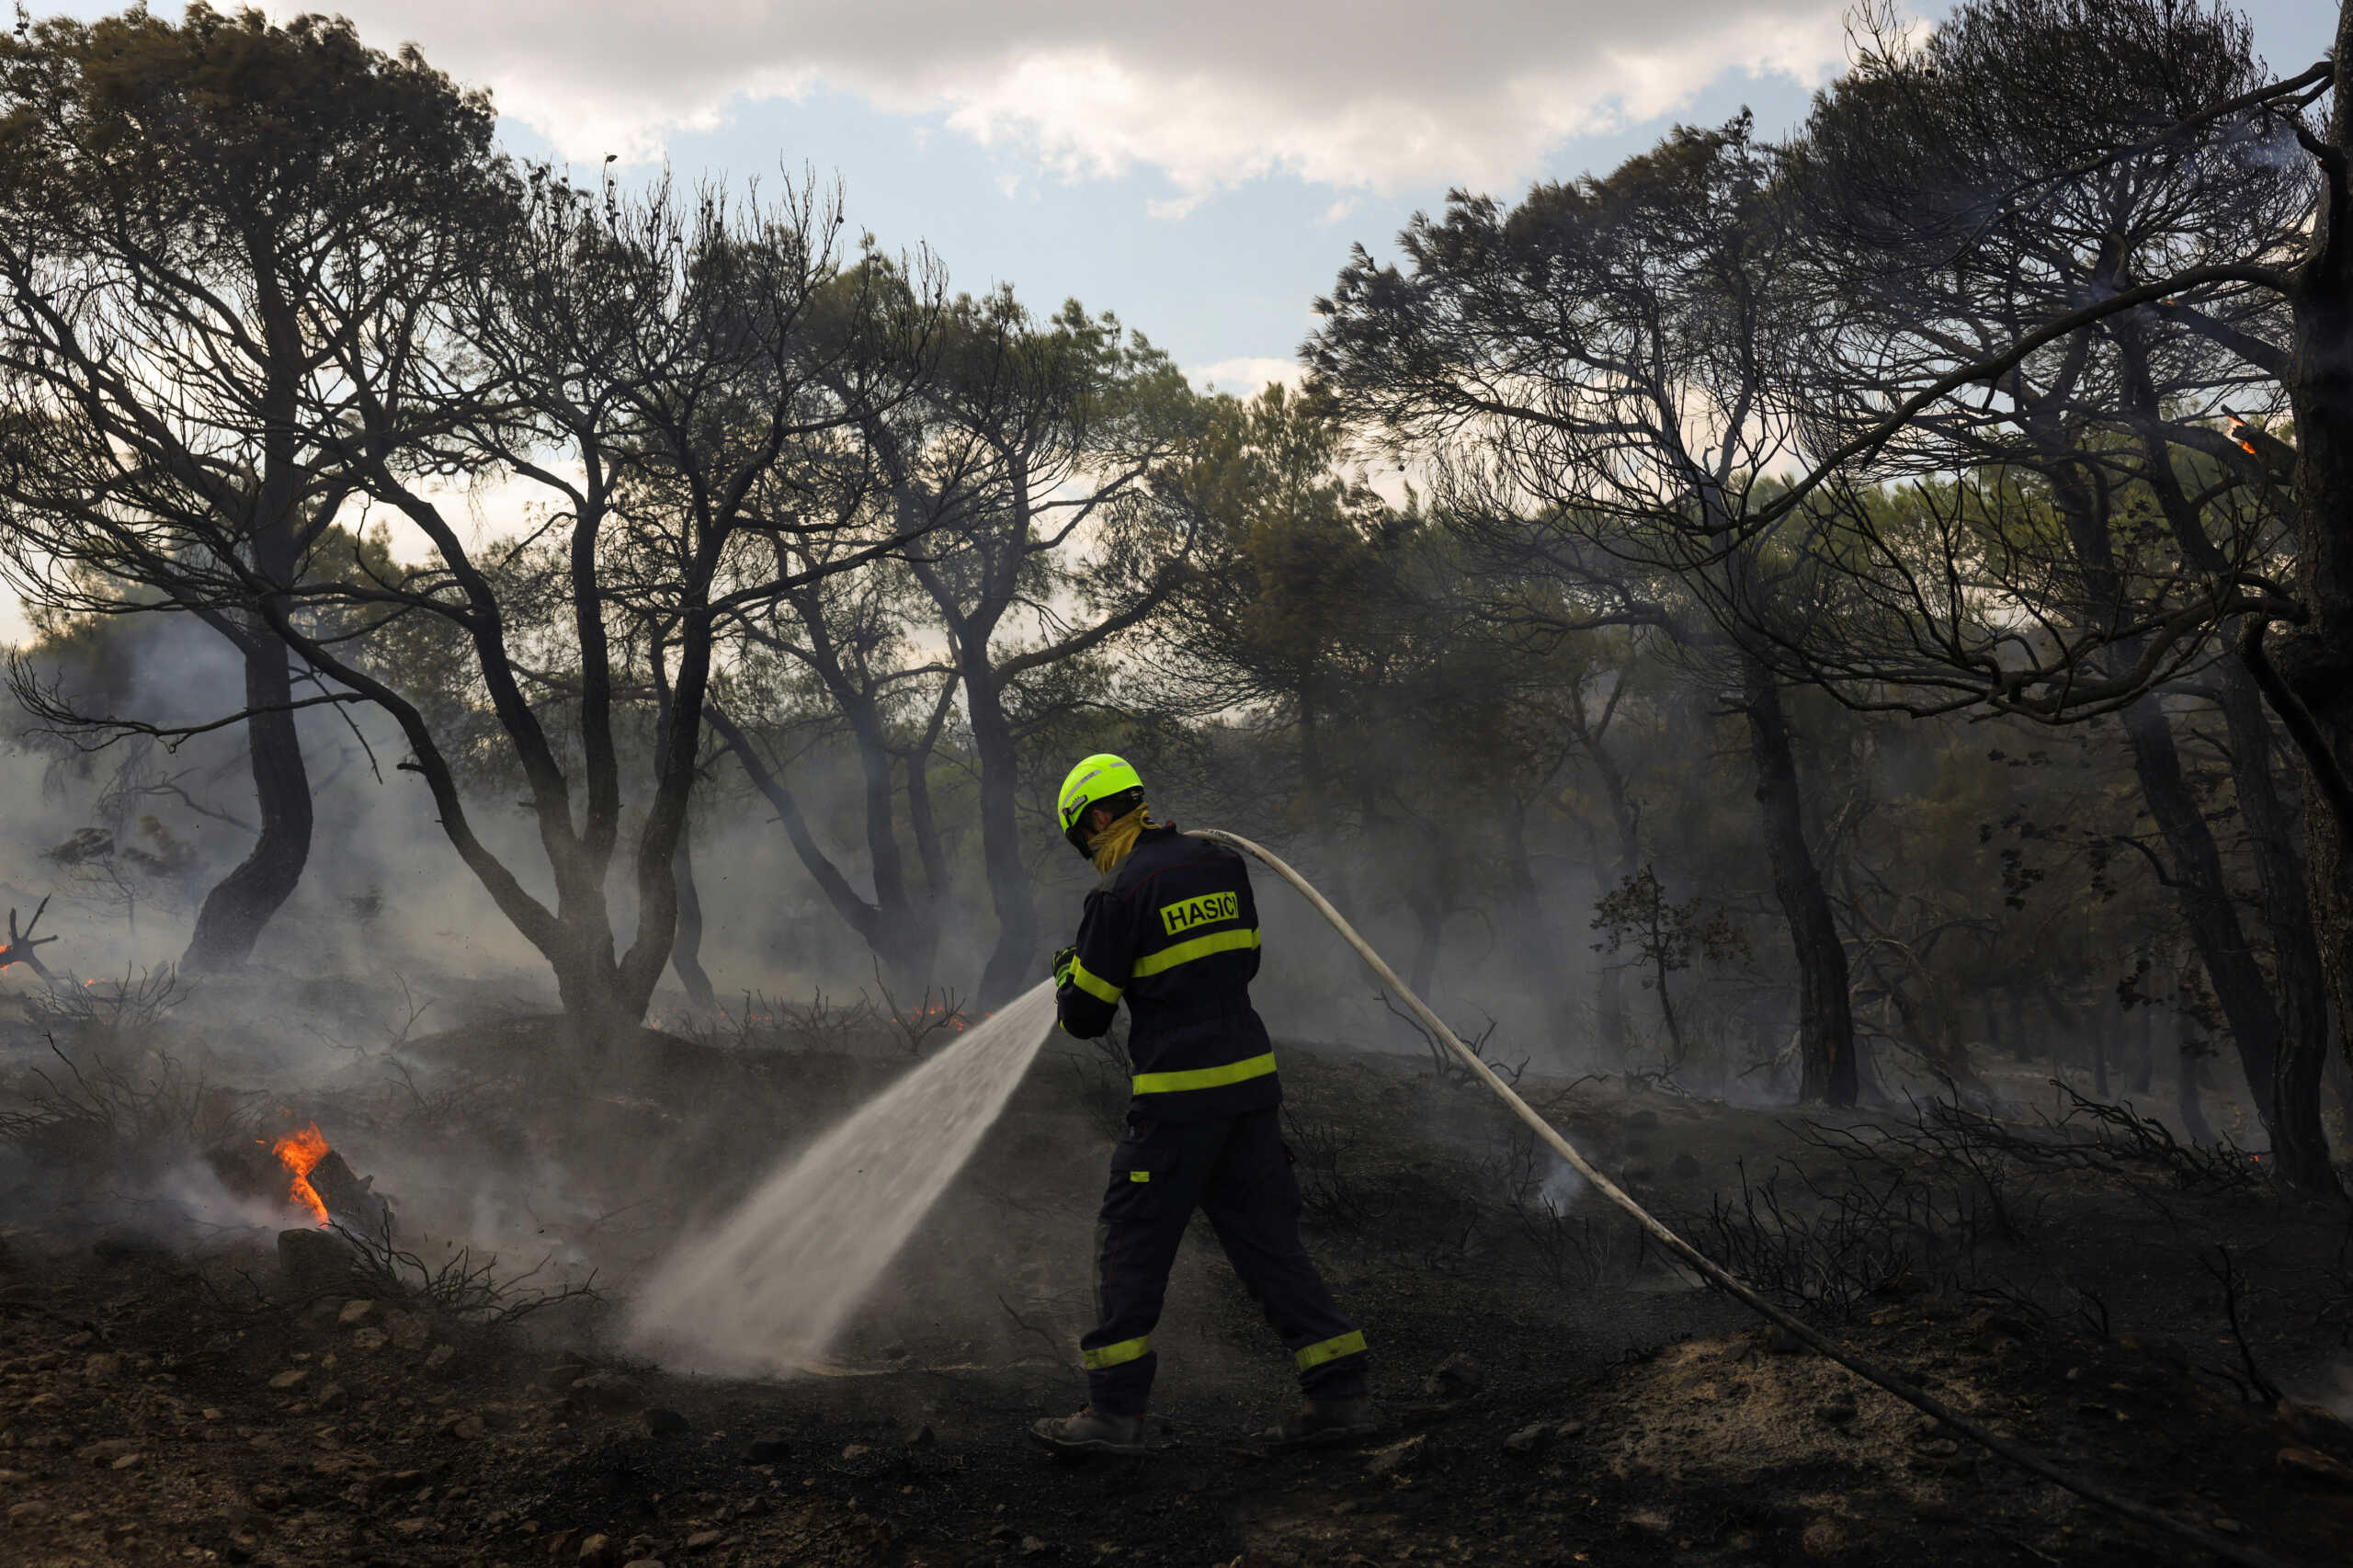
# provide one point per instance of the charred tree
(685, 947)
(197, 217)
(1826, 1022)
(240, 905)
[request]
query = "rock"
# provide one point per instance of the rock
(105, 1451)
(1032, 1546)
(412, 1528)
(564, 1545)
(703, 1540)
(356, 1311)
(855, 1451)
(923, 1437)
(333, 1397)
(560, 1377)
(368, 1340)
(660, 1422)
(438, 1359)
(2311, 1464)
(643, 1562)
(767, 1450)
(1457, 1376)
(595, 1551)
(1398, 1457)
(313, 1259)
(30, 1512)
(128, 1461)
(609, 1392)
(102, 1368)
(466, 1428)
(1528, 1439)
(291, 1379)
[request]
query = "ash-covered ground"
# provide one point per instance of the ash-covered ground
(178, 1383)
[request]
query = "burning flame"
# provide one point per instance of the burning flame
(2238, 433)
(300, 1153)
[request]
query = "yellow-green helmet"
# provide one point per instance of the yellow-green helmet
(1097, 781)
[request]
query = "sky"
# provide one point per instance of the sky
(1200, 167)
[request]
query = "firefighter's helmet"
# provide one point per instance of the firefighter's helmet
(1099, 780)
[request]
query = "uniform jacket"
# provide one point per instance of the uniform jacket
(1175, 931)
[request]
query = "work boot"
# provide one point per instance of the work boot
(1091, 1431)
(1328, 1422)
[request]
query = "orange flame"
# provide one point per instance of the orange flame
(2238, 427)
(300, 1153)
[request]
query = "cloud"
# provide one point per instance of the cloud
(1248, 376)
(1375, 93)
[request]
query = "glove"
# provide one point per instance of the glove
(1063, 960)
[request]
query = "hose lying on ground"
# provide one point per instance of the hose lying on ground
(1731, 1284)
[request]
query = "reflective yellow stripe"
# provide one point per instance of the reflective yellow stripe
(1139, 1176)
(1205, 1077)
(1094, 984)
(1322, 1350)
(1113, 1355)
(1199, 948)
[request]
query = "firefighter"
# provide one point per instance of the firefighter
(1172, 929)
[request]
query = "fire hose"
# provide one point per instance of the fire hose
(1731, 1284)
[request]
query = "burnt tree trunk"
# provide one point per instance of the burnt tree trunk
(912, 939)
(2206, 906)
(686, 946)
(236, 910)
(1825, 1025)
(923, 823)
(1010, 965)
(2314, 691)
(2300, 1146)
(242, 903)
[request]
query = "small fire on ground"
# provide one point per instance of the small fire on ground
(300, 1153)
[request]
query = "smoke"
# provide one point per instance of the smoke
(1564, 1188)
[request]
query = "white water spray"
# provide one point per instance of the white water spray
(766, 1290)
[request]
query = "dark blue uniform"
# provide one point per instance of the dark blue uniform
(1174, 932)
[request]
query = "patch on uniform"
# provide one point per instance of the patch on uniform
(1183, 916)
